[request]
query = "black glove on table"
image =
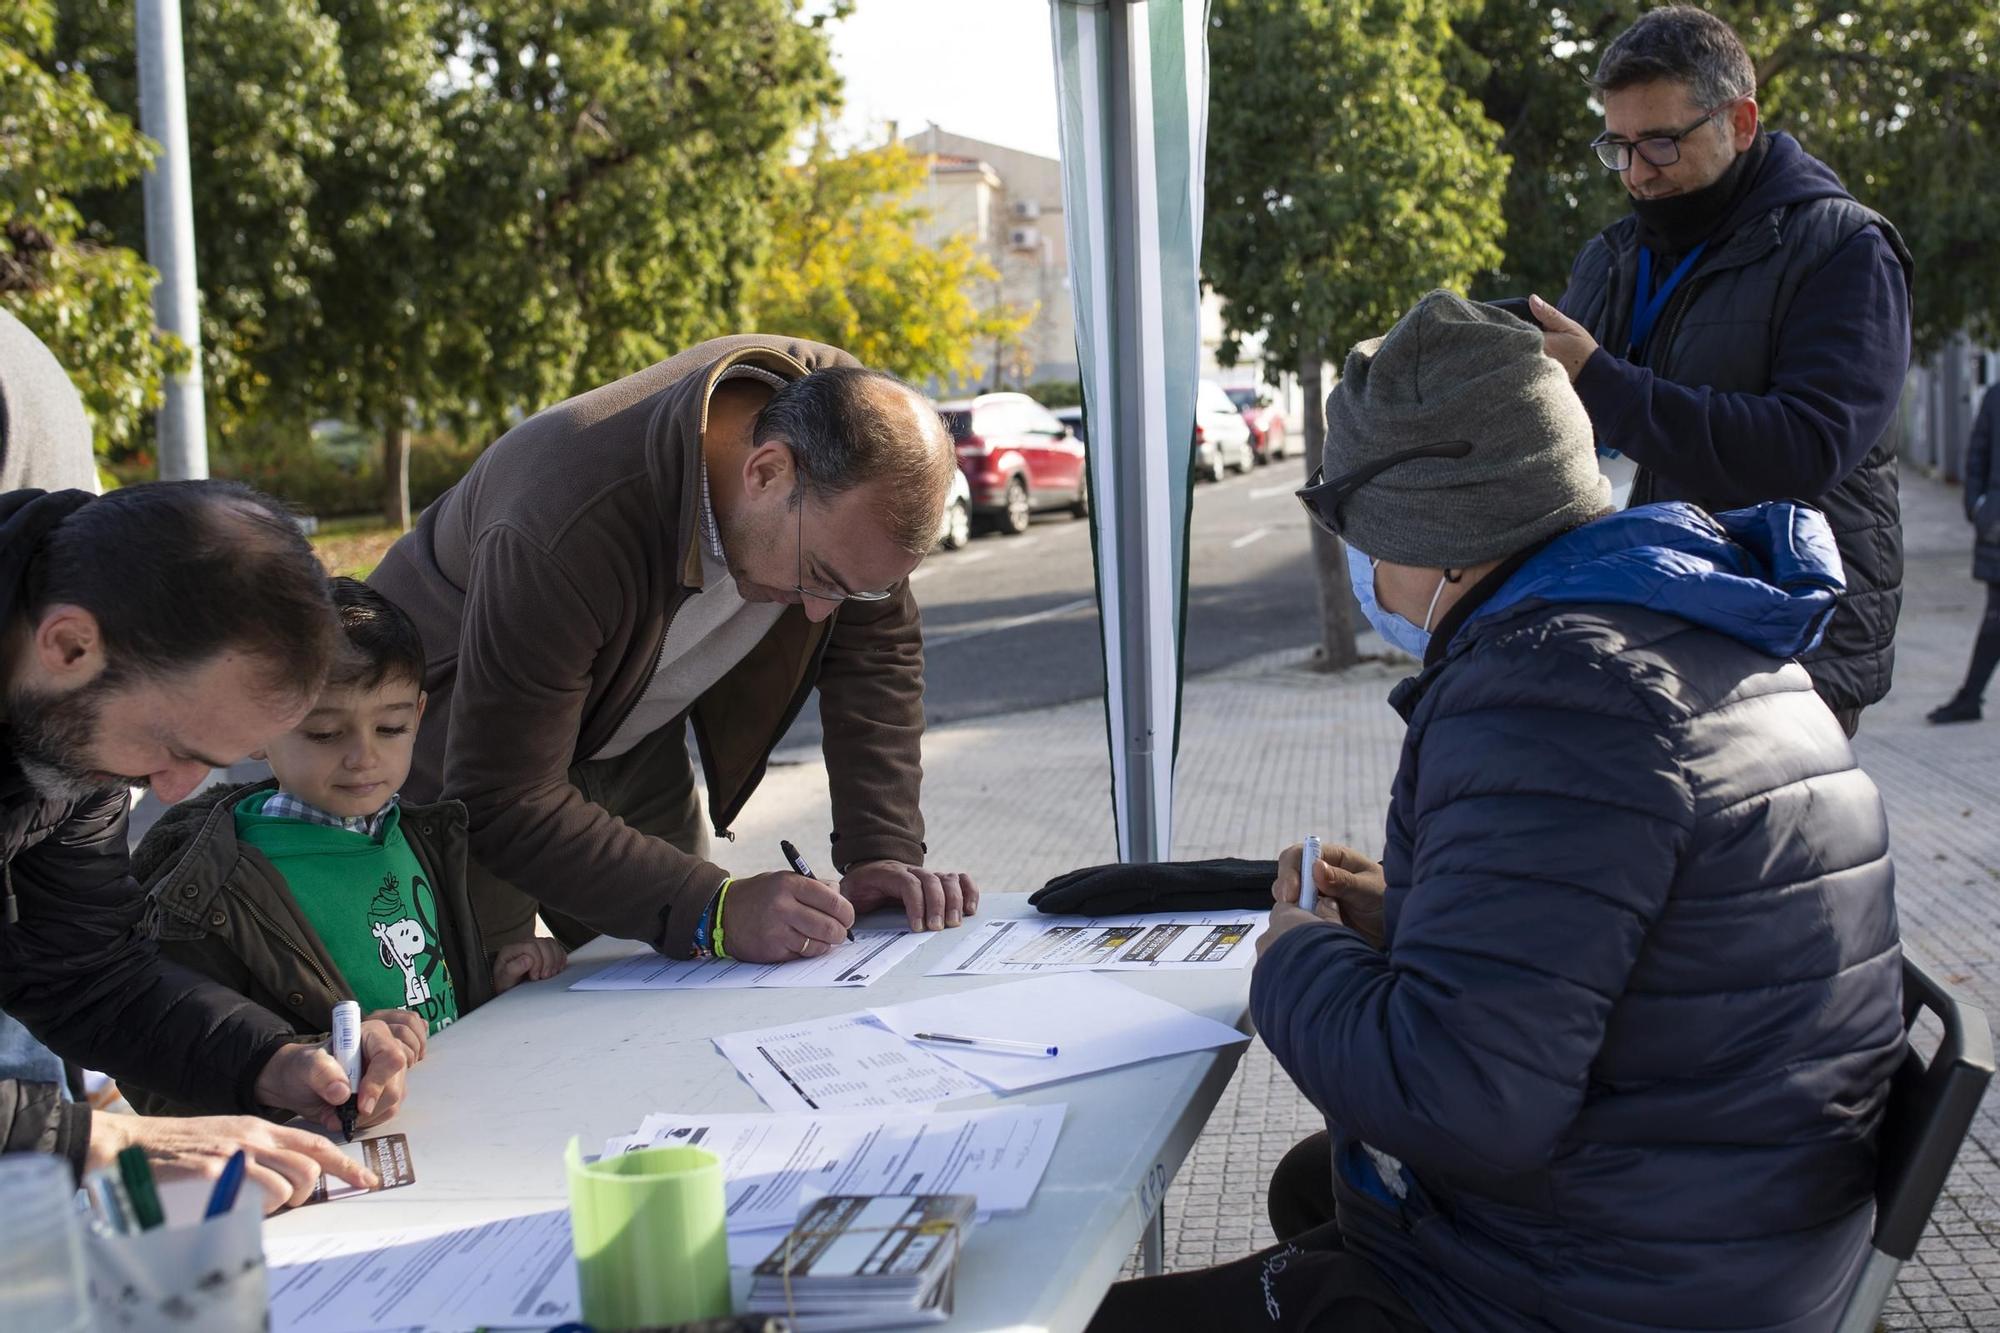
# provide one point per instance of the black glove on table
(1225, 884)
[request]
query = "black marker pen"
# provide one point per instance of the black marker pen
(799, 866)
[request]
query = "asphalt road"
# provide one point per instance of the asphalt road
(1011, 622)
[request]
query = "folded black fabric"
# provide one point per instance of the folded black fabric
(1225, 884)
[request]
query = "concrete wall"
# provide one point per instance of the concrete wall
(1940, 398)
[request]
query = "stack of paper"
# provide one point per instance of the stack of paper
(857, 962)
(1179, 941)
(842, 1063)
(772, 1165)
(513, 1273)
(879, 1058)
(1094, 1023)
(862, 1262)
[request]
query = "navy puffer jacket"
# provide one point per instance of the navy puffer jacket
(1632, 1029)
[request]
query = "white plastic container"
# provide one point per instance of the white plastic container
(42, 1283)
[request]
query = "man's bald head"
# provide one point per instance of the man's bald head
(848, 427)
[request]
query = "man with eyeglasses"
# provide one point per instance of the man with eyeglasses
(1743, 334)
(1604, 1037)
(705, 542)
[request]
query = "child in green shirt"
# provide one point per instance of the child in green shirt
(322, 885)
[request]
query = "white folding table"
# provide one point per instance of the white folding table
(501, 1092)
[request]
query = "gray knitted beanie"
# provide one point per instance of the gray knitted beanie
(1454, 369)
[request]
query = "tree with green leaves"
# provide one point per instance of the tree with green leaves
(87, 297)
(847, 267)
(615, 167)
(265, 100)
(1347, 176)
(1900, 97)
(409, 210)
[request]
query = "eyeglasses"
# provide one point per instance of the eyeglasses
(821, 594)
(1322, 499)
(1662, 150)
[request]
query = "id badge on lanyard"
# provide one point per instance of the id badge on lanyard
(1646, 309)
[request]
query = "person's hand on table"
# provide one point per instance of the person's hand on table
(409, 1028)
(777, 916)
(1566, 342)
(285, 1163)
(931, 899)
(1350, 889)
(305, 1079)
(530, 960)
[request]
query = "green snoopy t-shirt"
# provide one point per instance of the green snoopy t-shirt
(369, 901)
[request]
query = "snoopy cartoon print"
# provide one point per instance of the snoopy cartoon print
(399, 936)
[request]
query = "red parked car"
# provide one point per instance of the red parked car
(1266, 422)
(1017, 458)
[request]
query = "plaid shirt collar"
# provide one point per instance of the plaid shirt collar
(284, 805)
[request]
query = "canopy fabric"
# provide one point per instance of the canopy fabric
(1132, 83)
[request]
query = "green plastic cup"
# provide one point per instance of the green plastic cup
(647, 1227)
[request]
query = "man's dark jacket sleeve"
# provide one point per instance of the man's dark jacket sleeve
(1466, 1049)
(79, 974)
(1841, 354)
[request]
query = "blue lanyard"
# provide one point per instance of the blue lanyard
(1646, 309)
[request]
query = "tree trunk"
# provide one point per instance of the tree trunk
(396, 473)
(1339, 617)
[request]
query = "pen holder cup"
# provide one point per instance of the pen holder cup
(201, 1277)
(649, 1238)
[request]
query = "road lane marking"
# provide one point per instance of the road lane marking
(1254, 535)
(1014, 622)
(1266, 492)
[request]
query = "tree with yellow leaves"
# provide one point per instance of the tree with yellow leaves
(847, 266)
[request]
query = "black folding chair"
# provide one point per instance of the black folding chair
(1930, 1112)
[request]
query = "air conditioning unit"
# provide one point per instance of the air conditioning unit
(1027, 208)
(1025, 238)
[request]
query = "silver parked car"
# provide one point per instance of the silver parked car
(1221, 435)
(955, 530)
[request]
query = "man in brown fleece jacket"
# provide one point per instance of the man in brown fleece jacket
(704, 541)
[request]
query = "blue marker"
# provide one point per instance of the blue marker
(226, 1186)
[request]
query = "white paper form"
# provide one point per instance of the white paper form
(1179, 941)
(855, 962)
(1095, 1021)
(842, 1062)
(996, 1154)
(514, 1273)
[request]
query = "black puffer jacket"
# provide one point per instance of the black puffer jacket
(1982, 488)
(1773, 374)
(75, 968)
(1631, 1031)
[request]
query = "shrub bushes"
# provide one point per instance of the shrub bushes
(329, 471)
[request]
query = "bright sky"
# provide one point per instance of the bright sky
(980, 68)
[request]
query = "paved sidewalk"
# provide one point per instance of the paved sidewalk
(1270, 751)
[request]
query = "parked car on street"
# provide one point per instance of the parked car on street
(1017, 458)
(1266, 422)
(1221, 436)
(955, 529)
